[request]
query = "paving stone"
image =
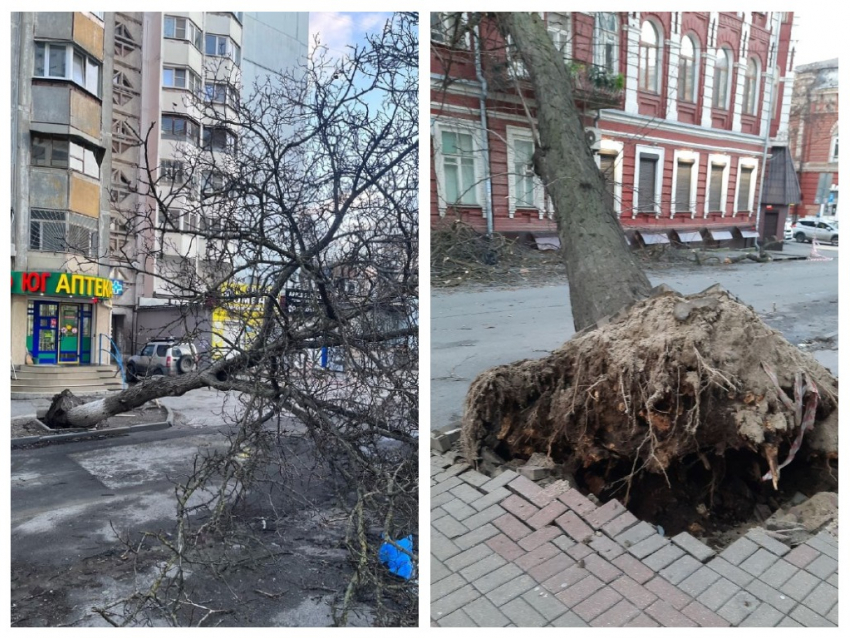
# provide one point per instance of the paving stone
(545, 603)
(641, 620)
(739, 551)
(597, 603)
(499, 481)
(648, 546)
(512, 527)
(617, 616)
(828, 538)
(741, 605)
(635, 534)
(633, 568)
(800, 585)
(497, 578)
(699, 581)
(802, 555)
(550, 493)
(579, 551)
(577, 502)
(823, 566)
(451, 472)
(617, 526)
(450, 527)
(442, 547)
(533, 472)
(693, 546)
(778, 573)
(575, 527)
(605, 513)
(567, 578)
(476, 536)
(703, 616)
(482, 567)
(763, 616)
(535, 540)
(439, 461)
(833, 579)
(505, 547)
(601, 568)
(457, 618)
(663, 557)
(552, 567)
(771, 596)
(718, 593)
(496, 496)
(808, 618)
(537, 556)
(730, 571)
(445, 497)
(680, 569)
(759, 562)
(569, 620)
(668, 593)
(522, 614)
(832, 616)
(510, 590)
(546, 515)
(486, 614)
(574, 594)
(759, 536)
(468, 557)
(446, 586)
(485, 516)
(454, 601)
(822, 599)
(445, 486)
(437, 513)
(524, 487)
(466, 492)
(519, 507)
(564, 542)
(458, 509)
(667, 615)
(631, 590)
(605, 547)
(823, 547)
(474, 478)
(788, 622)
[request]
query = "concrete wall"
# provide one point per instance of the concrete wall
(272, 42)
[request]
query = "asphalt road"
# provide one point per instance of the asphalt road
(475, 329)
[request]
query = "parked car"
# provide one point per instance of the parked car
(165, 357)
(789, 231)
(808, 229)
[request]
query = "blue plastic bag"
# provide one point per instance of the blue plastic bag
(398, 562)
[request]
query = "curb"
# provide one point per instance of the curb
(160, 425)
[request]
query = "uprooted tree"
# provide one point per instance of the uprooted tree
(656, 386)
(296, 216)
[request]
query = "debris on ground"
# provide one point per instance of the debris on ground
(397, 556)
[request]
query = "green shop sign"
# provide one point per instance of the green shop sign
(61, 284)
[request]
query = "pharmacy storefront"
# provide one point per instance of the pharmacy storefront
(65, 313)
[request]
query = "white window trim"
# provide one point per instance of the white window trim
(465, 43)
(756, 88)
(718, 160)
(438, 126)
(659, 57)
(746, 162)
(516, 134)
(833, 145)
(515, 62)
(640, 149)
(605, 148)
(599, 38)
(696, 61)
(690, 157)
(561, 37)
(70, 50)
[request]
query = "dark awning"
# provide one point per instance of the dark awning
(781, 187)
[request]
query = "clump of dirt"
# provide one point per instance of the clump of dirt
(669, 407)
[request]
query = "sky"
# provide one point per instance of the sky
(819, 35)
(340, 30)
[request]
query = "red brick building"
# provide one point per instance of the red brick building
(813, 137)
(682, 110)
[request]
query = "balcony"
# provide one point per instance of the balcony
(595, 88)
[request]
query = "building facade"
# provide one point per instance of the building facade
(813, 137)
(681, 108)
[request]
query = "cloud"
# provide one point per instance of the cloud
(338, 31)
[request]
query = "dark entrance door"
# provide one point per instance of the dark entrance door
(771, 225)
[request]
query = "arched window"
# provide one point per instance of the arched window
(722, 79)
(650, 56)
(751, 87)
(688, 65)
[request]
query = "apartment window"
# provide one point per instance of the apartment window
(219, 139)
(605, 42)
(833, 154)
(58, 231)
(649, 163)
(688, 65)
(172, 170)
(715, 188)
(745, 180)
(183, 29)
(83, 160)
(46, 151)
(515, 59)
(65, 62)
(722, 79)
(559, 30)
(650, 56)
(525, 189)
(180, 78)
(459, 170)
(221, 93)
(222, 46)
(450, 29)
(177, 127)
(684, 175)
(751, 87)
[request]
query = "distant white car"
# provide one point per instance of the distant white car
(809, 229)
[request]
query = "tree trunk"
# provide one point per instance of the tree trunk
(604, 275)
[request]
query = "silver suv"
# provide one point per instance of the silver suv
(808, 229)
(163, 357)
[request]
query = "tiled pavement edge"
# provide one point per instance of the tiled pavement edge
(506, 552)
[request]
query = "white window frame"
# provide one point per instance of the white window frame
(689, 157)
(659, 58)
(695, 66)
(192, 34)
(518, 134)
(233, 51)
(82, 160)
(192, 81)
(601, 37)
(640, 149)
(833, 147)
(755, 88)
(727, 55)
(746, 162)
(447, 21)
(93, 86)
(561, 35)
(717, 159)
(515, 62)
(451, 125)
(605, 148)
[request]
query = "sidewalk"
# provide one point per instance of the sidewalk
(506, 552)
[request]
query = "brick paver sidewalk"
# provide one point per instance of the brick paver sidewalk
(506, 552)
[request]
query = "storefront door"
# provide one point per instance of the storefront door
(69, 333)
(45, 326)
(61, 333)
